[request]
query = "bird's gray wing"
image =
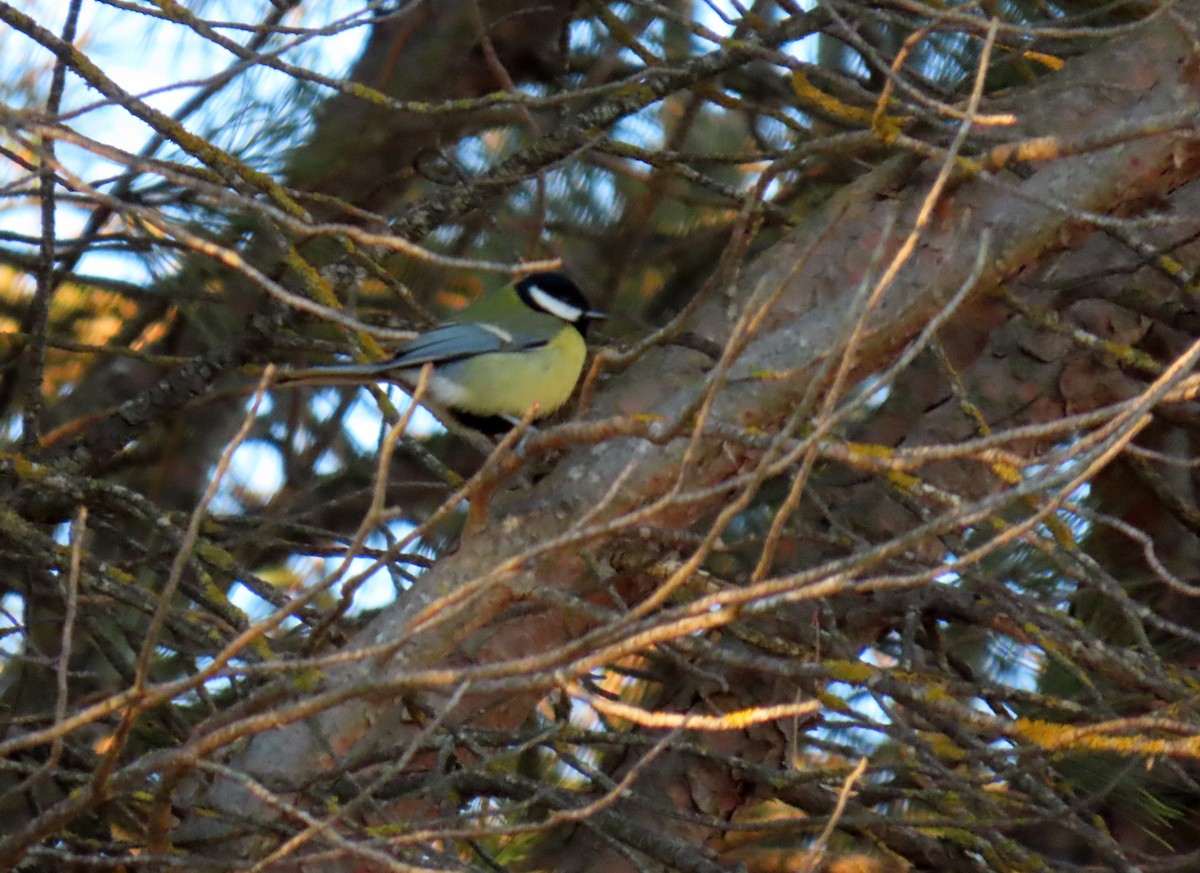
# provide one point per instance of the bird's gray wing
(452, 342)
(441, 345)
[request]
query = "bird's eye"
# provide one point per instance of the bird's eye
(555, 306)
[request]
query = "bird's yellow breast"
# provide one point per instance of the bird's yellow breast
(511, 383)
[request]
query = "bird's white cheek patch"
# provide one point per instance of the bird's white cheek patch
(557, 308)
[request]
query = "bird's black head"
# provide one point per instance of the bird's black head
(559, 296)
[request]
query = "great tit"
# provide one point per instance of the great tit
(511, 349)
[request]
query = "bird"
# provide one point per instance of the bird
(515, 350)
